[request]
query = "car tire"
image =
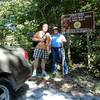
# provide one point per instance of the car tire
(6, 90)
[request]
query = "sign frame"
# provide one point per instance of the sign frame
(83, 22)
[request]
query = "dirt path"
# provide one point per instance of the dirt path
(58, 89)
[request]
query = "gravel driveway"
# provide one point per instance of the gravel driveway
(47, 90)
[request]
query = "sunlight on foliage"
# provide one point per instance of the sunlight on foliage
(21, 18)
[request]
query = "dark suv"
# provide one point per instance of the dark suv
(15, 69)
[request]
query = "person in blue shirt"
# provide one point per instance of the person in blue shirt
(57, 50)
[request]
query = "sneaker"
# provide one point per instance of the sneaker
(65, 76)
(44, 73)
(34, 74)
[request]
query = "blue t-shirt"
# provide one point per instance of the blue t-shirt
(56, 40)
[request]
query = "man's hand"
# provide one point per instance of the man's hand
(41, 40)
(63, 40)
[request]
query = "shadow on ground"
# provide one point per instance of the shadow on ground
(60, 89)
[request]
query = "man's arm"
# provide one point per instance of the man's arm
(63, 39)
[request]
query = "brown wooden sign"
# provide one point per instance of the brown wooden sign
(78, 23)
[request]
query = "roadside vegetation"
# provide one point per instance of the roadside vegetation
(20, 19)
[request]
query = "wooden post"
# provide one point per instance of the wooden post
(89, 50)
(69, 51)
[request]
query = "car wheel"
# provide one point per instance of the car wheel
(6, 91)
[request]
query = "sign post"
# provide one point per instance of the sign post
(79, 23)
(89, 49)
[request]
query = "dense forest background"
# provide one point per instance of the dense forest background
(22, 18)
